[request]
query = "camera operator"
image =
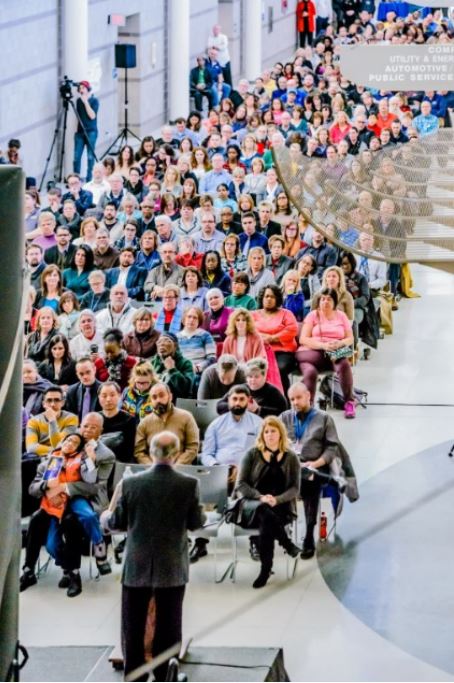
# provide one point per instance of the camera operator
(87, 129)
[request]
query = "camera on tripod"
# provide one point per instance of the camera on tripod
(66, 88)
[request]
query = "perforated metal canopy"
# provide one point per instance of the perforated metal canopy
(403, 195)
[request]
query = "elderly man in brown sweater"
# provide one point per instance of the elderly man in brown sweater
(166, 417)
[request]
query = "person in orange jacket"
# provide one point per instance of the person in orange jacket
(61, 515)
(305, 21)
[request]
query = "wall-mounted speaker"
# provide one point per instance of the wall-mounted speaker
(125, 56)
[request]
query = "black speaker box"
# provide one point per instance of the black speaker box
(125, 56)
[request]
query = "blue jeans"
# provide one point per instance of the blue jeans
(87, 517)
(79, 143)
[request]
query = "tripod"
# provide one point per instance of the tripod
(62, 120)
(122, 137)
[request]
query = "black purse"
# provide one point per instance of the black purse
(242, 511)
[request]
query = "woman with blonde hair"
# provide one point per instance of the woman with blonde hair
(293, 295)
(242, 341)
(37, 344)
(268, 483)
(135, 399)
(172, 182)
(259, 275)
(334, 278)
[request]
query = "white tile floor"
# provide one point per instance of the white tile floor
(321, 639)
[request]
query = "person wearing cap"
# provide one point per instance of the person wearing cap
(172, 367)
(87, 128)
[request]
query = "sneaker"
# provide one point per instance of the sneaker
(349, 410)
(64, 581)
(27, 579)
(75, 585)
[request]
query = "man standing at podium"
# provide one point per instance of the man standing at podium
(156, 508)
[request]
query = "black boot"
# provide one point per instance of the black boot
(291, 549)
(75, 585)
(198, 550)
(27, 579)
(308, 550)
(262, 578)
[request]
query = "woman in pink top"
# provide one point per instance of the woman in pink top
(242, 341)
(326, 329)
(277, 327)
(340, 129)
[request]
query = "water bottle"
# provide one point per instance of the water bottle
(323, 527)
(128, 472)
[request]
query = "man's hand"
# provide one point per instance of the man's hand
(50, 414)
(169, 363)
(253, 406)
(90, 451)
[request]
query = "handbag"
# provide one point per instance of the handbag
(241, 511)
(337, 354)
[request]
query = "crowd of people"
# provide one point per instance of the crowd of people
(182, 270)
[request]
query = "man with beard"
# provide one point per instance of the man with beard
(226, 441)
(166, 417)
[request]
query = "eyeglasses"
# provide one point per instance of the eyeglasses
(54, 400)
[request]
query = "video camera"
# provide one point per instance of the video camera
(66, 88)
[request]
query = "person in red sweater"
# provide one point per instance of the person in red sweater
(305, 21)
(117, 365)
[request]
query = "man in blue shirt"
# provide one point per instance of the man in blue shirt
(426, 123)
(87, 128)
(210, 181)
(227, 439)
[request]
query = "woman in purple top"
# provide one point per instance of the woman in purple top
(215, 320)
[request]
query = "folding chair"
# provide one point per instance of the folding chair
(213, 483)
(239, 532)
(203, 411)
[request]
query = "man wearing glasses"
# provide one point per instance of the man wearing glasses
(83, 199)
(47, 429)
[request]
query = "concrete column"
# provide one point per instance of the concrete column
(75, 64)
(252, 38)
(179, 66)
(75, 39)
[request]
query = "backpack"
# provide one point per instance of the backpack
(326, 388)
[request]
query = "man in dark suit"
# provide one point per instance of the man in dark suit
(250, 237)
(62, 253)
(128, 274)
(82, 397)
(156, 509)
(266, 226)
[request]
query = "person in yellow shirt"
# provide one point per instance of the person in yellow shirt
(47, 429)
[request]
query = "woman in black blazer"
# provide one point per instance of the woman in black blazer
(58, 368)
(269, 481)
